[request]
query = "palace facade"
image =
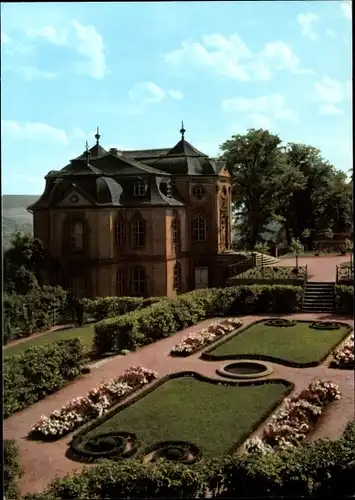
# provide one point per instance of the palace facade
(146, 222)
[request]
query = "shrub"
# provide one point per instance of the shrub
(39, 371)
(108, 307)
(12, 470)
(321, 468)
(344, 299)
(37, 310)
(166, 317)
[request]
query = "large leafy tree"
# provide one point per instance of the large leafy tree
(23, 263)
(323, 201)
(262, 179)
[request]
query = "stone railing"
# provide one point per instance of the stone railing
(344, 275)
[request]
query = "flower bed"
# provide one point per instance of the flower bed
(325, 325)
(195, 341)
(280, 322)
(344, 356)
(97, 402)
(290, 425)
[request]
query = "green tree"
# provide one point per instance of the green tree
(296, 248)
(261, 179)
(23, 264)
(323, 200)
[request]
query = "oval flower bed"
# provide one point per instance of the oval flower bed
(344, 356)
(290, 425)
(195, 341)
(96, 402)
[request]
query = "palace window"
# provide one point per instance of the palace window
(120, 282)
(138, 233)
(177, 277)
(77, 235)
(175, 232)
(139, 188)
(139, 281)
(198, 192)
(119, 233)
(199, 229)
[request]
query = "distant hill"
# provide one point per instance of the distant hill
(15, 216)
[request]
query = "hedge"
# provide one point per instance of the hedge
(39, 371)
(37, 310)
(344, 299)
(108, 307)
(164, 318)
(12, 470)
(321, 468)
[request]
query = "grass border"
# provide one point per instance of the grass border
(202, 378)
(272, 359)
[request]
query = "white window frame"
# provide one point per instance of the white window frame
(199, 229)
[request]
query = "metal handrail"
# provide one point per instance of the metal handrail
(249, 260)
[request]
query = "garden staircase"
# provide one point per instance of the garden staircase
(318, 297)
(266, 260)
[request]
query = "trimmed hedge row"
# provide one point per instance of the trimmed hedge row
(108, 307)
(39, 371)
(164, 318)
(344, 299)
(37, 310)
(321, 468)
(12, 470)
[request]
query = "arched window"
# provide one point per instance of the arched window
(139, 281)
(175, 232)
(77, 235)
(119, 233)
(139, 188)
(138, 232)
(177, 277)
(199, 229)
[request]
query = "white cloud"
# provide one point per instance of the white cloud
(146, 92)
(258, 120)
(85, 40)
(330, 93)
(5, 39)
(33, 131)
(306, 22)
(230, 56)
(261, 110)
(90, 44)
(328, 90)
(150, 92)
(331, 34)
(345, 9)
(50, 34)
(29, 73)
(330, 109)
(175, 94)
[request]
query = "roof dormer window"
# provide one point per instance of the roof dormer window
(139, 188)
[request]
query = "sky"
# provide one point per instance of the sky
(137, 69)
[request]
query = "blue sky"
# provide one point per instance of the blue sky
(137, 69)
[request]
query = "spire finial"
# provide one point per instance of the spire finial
(97, 135)
(182, 131)
(87, 152)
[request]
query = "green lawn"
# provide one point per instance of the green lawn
(299, 343)
(346, 264)
(84, 333)
(214, 417)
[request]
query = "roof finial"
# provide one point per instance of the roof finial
(87, 153)
(182, 131)
(97, 135)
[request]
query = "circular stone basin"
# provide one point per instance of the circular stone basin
(245, 369)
